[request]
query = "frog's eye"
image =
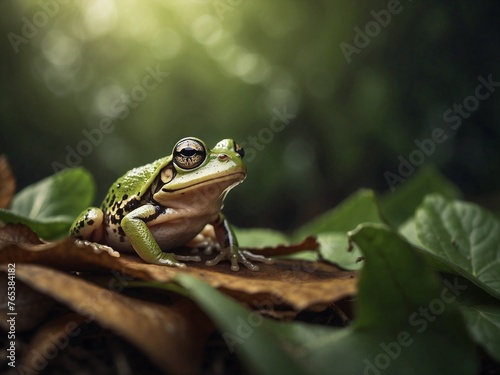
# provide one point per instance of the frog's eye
(189, 154)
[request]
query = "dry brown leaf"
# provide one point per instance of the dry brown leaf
(172, 336)
(309, 243)
(17, 234)
(7, 183)
(297, 283)
(64, 254)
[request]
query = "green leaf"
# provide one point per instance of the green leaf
(482, 315)
(332, 228)
(403, 324)
(334, 247)
(360, 207)
(406, 322)
(258, 237)
(409, 230)
(50, 205)
(463, 236)
(401, 313)
(247, 333)
(399, 205)
(261, 238)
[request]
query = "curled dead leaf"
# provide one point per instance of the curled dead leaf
(296, 283)
(172, 336)
(309, 243)
(7, 183)
(17, 245)
(17, 234)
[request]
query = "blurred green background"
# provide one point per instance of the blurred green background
(325, 96)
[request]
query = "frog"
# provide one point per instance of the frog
(165, 205)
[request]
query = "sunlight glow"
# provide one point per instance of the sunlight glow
(60, 49)
(206, 29)
(109, 100)
(100, 17)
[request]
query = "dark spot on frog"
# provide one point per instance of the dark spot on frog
(125, 196)
(133, 203)
(90, 222)
(114, 219)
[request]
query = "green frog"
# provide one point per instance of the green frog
(167, 204)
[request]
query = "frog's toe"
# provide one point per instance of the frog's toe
(244, 258)
(210, 246)
(188, 258)
(235, 259)
(224, 254)
(257, 257)
(167, 259)
(237, 256)
(205, 244)
(97, 247)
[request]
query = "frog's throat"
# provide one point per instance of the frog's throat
(213, 187)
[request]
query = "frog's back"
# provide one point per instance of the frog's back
(134, 184)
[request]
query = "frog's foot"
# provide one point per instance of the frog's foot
(205, 241)
(236, 256)
(97, 247)
(208, 246)
(172, 260)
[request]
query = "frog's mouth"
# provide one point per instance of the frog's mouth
(210, 188)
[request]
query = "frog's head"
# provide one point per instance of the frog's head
(195, 168)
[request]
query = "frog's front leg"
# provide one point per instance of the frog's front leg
(230, 249)
(88, 225)
(135, 227)
(88, 229)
